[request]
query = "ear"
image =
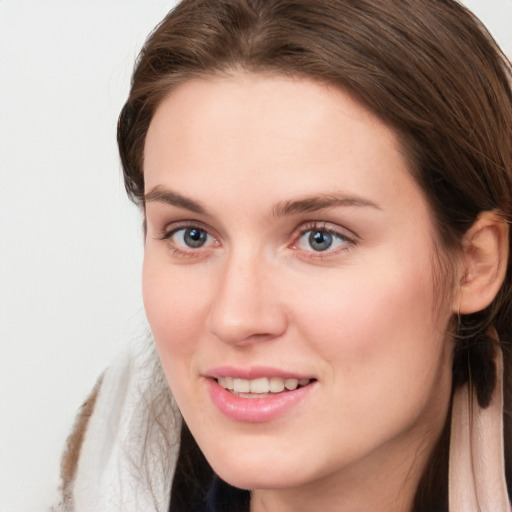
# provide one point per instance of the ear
(483, 263)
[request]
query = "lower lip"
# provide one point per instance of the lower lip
(255, 410)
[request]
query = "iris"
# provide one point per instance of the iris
(320, 240)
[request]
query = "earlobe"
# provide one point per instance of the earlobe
(483, 263)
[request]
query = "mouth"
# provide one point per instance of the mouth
(262, 387)
(258, 394)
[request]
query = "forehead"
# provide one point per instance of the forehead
(272, 107)
(251, 133)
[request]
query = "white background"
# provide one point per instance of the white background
(70, 242)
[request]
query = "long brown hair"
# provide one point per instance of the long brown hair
(429, 69)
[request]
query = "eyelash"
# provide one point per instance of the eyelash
(349, 241)
(310, 227)
(167, 235)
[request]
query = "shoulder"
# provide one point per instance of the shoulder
(122, 451)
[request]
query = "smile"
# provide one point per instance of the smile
(259, 399)
(257, 388)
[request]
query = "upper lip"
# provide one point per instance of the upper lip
(253, 372)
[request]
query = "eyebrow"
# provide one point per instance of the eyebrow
(319, 202)
(286, 208)
(160, 194)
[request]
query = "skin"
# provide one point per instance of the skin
(361, 317)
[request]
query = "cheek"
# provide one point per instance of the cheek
(173, 309)
(380, 330)
(176, 307)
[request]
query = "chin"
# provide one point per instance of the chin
(253, 479)
(262, 469)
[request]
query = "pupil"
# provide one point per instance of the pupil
(320, 241)
(195, 237)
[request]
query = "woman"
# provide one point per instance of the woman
(326, 193)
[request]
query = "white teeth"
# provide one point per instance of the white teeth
(262, 385)
(276, 385)
(259, 385)
(241, 386)
(291, 384)
(226, 382)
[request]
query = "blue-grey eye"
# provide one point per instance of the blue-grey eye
(193, 237)
(320, 240)
(189, 238)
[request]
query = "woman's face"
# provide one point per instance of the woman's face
(288, 245)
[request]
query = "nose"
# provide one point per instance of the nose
(246, 307)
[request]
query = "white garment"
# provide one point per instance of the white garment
(129, 452)
(477, 466)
